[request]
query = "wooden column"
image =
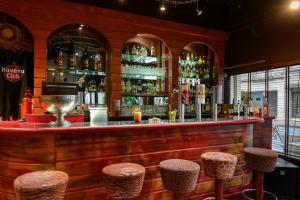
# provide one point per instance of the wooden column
(219, 187)
(40, 64)
(259, 185)
(173, 79)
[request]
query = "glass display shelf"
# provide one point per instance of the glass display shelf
(147, 110)
(76, 71)
(143, 73)
(144, 95)
(202, 80)
(190, 62)
(142, 59)
(142, 77)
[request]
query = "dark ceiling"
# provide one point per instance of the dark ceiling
(216, 14)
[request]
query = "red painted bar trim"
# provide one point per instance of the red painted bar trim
(43, 129)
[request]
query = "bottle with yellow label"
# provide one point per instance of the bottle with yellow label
(266, 108)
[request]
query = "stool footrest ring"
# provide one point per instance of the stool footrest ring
(253, 190)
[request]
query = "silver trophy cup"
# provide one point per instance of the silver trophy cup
(59, 106)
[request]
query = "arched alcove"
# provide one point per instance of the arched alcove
(78, 54)
(144, 72)
(16, 64)
(198, 63)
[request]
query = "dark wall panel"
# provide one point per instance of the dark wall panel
(271, 40)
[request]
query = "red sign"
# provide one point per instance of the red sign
(12, 73)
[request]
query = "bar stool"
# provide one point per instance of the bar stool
(219, 166)
(179, 176)
(259, 160)
(41, 185)
(124, 180)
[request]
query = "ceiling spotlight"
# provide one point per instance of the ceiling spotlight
(163, 8)
(295, 5)
(199, 12)
(81, 25)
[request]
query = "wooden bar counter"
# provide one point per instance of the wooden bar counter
(83, 149)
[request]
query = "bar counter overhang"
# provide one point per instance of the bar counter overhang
(83, 149)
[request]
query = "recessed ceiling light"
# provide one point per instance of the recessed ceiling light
(163, 8)
(199, 12)
(295, 5)
(81, 25)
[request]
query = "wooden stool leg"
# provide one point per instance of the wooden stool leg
(219, 189)
(259, 177)
(178, 196)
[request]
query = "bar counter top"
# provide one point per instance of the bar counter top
(16, 127)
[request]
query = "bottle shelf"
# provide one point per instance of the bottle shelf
(144, 95)
(142, 71)
(190, 62)
(143, 59)
(202, 80)
(77, 71)
(142, 77)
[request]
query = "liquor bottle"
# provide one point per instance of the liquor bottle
(266, 108)
(206, 73)
(85, 59)
(134, 50)
(245, 108)
(157, 87)
(257, 108)
(192, 56)
(139, 86)
(128, 86)
(187, 56)
(133, 89)
(98, 62)
(251, 108)
(27, 104)
(152, 50)
(162, 86)
(102, 85)
(238, 108)
(200, 61)
(123, 86)
(60, 60)
(213, 73)
(242, 106)
(234, 105)
(72, 57)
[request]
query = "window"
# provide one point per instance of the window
(272, 101)
(239, 87)
(277, 106)
(294, 111)
(256, 84)
(295, 104)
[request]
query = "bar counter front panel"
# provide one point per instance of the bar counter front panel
(83, 149)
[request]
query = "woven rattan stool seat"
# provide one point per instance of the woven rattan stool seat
(41, 185)
(259, 159)
(219, 165)
(124, 180)
(179, 176)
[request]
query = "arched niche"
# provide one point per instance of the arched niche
(144, 72)
(16, 53)
(198, 63)
(80, 37)
(78, 54)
